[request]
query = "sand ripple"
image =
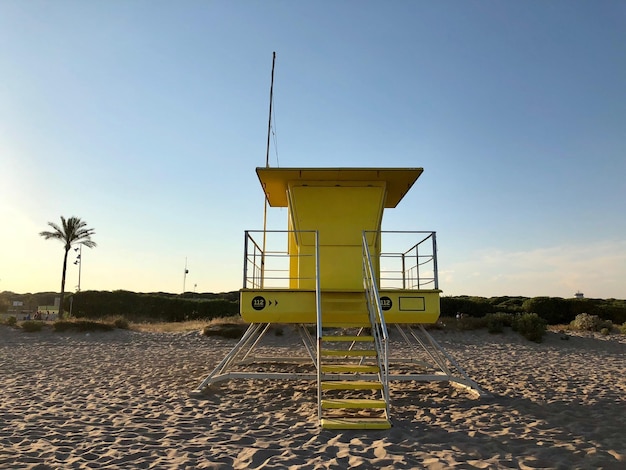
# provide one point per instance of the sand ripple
(121, 400)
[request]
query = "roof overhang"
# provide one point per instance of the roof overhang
(275, 181)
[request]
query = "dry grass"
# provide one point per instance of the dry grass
(183, 327)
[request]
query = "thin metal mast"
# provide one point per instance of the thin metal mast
(267, 165)
(269, 121)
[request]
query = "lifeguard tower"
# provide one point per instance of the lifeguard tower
(342, 282)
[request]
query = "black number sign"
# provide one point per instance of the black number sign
(258, 303)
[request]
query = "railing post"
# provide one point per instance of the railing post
(417, 263)
(403, 272)
(435, 270)
(262, 280)
(245, 259)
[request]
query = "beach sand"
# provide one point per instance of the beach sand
(121, 400)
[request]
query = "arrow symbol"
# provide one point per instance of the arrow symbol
(270, 302)
(275, 302)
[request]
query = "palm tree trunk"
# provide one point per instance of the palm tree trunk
(67, 249)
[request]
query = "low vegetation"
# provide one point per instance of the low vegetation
(233, 331)
(531, 326)
(586, 322)
(227, 327)
(121, 323)
(217, 314)
(496, 322)
(71, 325)
(554, 310)
(32, 326)
(155, 307)
(185, 326)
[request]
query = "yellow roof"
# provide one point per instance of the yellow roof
(275, 180)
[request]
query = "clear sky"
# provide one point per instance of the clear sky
(147, 119)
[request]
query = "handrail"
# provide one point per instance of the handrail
(318, 314)
(377, 320)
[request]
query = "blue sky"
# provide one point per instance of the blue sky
(148, 118)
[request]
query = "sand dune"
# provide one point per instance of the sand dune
(121, 400)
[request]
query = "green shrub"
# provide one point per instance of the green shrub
(11, 321)
(622, 328)
(121, 323)
(497, 321)
(586, 322)
(32, 326)
(154, 307)
(470, 306)
(605, 331)
(81, 325)
(554, 310)
(226, 330)
(531, 326)
(467, 323)
(494, 325)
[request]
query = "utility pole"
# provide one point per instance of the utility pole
(185, 275)
(79, 262)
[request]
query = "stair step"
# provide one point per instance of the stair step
(356, 423)
(351, 385)
(348, 352)
(361, 403)
(349, 368)
(347, 338)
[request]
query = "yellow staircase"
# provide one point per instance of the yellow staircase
(351, 393)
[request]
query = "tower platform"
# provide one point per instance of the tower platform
(338, 306)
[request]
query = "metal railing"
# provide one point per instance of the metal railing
(377, 320)
(407, 268)
(267, 264)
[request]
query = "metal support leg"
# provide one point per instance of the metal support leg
(250, 334)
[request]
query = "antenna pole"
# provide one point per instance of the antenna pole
(267, 165)
(269, 121)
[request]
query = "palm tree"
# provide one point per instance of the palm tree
(71, 231)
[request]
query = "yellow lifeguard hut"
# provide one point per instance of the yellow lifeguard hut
(336, 269)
